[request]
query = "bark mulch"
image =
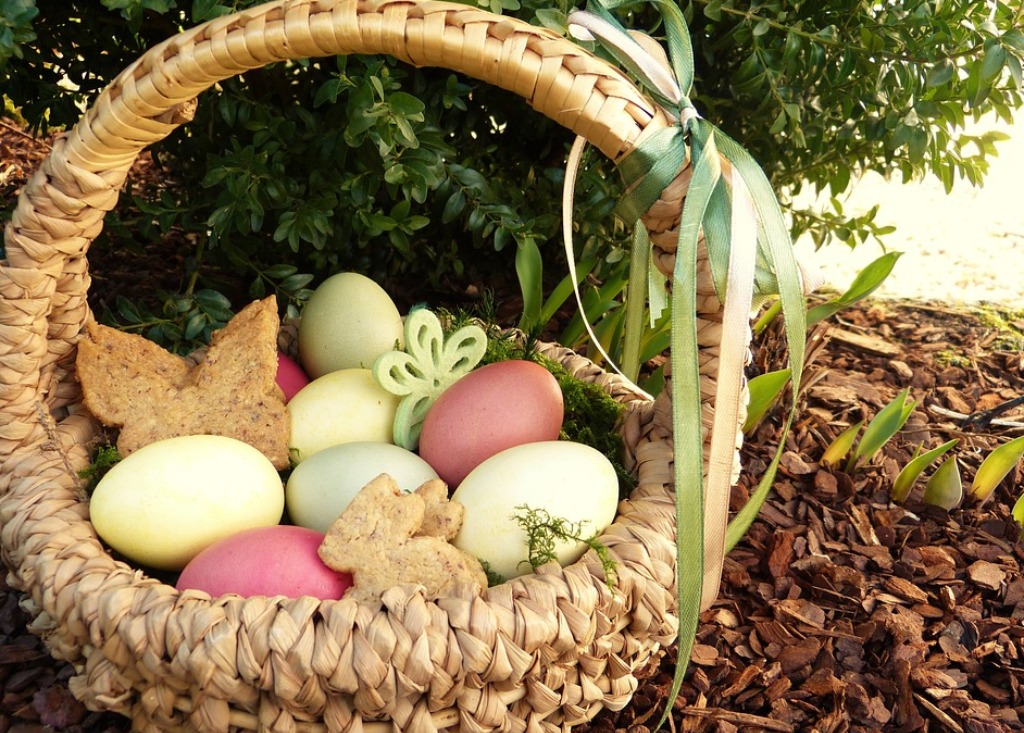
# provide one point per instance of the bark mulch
(840, 610)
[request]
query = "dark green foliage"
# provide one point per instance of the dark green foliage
(15, 28)
(325, 165)
(184, 323)
(107, 456)
(418, 177)
(819, 92)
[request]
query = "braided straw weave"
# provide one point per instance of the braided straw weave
(540, 653)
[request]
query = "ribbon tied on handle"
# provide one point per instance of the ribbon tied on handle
(731, 202)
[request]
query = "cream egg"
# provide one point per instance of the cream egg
(348, 322)
(169, 500)
(320, 487)
(568, 480)
(340, 407)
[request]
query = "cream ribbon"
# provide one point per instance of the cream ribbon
(572, 167)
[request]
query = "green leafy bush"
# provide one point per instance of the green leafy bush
(339, 163)
(417, 177)
(821, 92)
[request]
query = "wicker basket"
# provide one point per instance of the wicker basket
(540, 653)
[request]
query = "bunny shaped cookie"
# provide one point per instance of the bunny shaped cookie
(386, 537)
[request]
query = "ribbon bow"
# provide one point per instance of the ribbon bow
(750, 252)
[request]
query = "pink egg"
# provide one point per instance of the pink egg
(290, 377)
(267, 561)
(495, 407)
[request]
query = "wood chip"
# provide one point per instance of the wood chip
(905, 589)
(865, 342)
(901, 369)
(986, 574)
(704, 654)
(795, 656)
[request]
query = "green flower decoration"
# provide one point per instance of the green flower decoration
(426, 368)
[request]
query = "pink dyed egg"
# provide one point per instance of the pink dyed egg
(268, 561)
(290, 376)
(495, 407)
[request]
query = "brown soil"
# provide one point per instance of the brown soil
(840, 610)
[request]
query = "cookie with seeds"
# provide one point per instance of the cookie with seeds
(149, 394)
(380, 540)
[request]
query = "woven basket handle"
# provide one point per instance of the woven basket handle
(44, 280)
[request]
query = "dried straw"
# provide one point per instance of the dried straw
(540, 653)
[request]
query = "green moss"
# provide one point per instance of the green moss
(952, 358)
(106, 458)
(1010, 336)
(544, 531)
(493, 578)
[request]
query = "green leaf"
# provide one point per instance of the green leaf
(328, 92)
(864, 284)
(257, 289)
(212, 299)
(1018, 510)
(945, 488)
(1014, 64)
(839, 448)
(995, 467)
(529, 270)
(561, 292)
(883, 427)
(295, 282)
(454, 206)
(552, 19)
(764, 390)
(128, 309)
(978, 88)
(1014, 38)
(407, 105)
(941, 74)
(993, 61)
(904, 482)
(195, 326)
(276, 272)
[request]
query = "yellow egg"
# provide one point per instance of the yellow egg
(348, 322)
(341, 407)
(568, 480)
(171, 499)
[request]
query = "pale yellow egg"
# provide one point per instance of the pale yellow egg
(344, 406)
(322, 486)
(568, 480)
(348, 322)
(169, 500)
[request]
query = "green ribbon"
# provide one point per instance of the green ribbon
(647, 171)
